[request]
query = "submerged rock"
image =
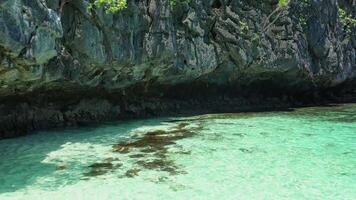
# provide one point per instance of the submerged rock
(98, 169)
(148, 152)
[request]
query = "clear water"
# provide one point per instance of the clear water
(309, 153)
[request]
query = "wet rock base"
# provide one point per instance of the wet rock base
(44, 109)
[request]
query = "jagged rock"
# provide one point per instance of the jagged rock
(153, 50)
(29, 30)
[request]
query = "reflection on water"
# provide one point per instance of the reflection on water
(309, 153)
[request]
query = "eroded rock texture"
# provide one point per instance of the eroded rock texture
(81, 65)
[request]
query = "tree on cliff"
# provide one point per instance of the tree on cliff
(282, 5)
(113, 6)
(110, 6)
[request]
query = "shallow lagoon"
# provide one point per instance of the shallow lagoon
(309, 153)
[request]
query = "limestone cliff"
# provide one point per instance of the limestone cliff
(82, 65)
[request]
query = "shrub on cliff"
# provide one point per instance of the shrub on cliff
(113, 6)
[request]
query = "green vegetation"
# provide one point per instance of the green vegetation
(303, 9)
(110, 6)
(347, 20)
(244, 26)
(283, 3)
(113, 6)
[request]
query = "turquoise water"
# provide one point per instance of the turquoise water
(309, 153)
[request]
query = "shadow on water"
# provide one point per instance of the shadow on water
(27, 152)
(21, 158)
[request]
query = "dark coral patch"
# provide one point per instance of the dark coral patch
(153, 145)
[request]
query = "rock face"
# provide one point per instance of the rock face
(59, 68)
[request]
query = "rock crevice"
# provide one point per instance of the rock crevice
(210, 49)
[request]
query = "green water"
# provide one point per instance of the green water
(309, 153)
